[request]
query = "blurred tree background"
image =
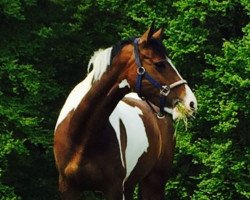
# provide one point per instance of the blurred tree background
(45, 46)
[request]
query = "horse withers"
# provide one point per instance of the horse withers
(109, 139)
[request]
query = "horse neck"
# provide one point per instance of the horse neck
(95, 108)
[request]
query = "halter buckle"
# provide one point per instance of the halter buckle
(141, 70)
(165, 90)
(160, 115)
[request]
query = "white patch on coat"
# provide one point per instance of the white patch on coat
(124, 83)
(176, 114)
(75, 97)
(168, 110)
(100, 62)
(137, 140)
(133, 95)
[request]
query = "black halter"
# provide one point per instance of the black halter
(142, 73)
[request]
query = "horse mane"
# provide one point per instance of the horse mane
(102, 58)
(119, 45)
(154, 43)
(99, 63)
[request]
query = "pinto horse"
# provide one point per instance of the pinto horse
(109, 139)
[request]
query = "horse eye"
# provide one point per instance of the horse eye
(160, 64)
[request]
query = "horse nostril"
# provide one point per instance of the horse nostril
(191, 104)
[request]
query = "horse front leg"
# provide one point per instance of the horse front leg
(67, 191)
(114, 192)
(152, 187)
(129, 188)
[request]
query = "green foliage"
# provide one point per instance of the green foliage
(22, 118)
(44, 50)
(14, 8)
(216, 147)
(8, 145)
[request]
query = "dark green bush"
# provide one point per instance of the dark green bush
(44, 50)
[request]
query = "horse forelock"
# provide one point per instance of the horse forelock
(158, 46)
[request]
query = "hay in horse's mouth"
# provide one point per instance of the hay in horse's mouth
(183, 114)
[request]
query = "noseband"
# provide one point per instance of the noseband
(164, 90)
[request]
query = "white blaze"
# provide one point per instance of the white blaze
(172, 65)
(189, 97)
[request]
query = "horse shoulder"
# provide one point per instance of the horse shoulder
(160, 134)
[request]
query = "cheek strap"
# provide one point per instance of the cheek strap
(142, 73)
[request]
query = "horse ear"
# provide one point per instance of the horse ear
(148, 34)
(158, 34)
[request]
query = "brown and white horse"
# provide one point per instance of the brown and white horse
(107, 142)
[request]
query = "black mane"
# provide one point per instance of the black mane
(119, 45)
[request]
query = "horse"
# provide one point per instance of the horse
(113, 132)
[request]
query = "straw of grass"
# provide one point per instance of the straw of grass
(183, 117)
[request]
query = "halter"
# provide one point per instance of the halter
(142, 73)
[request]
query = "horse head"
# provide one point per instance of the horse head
(151, 74)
